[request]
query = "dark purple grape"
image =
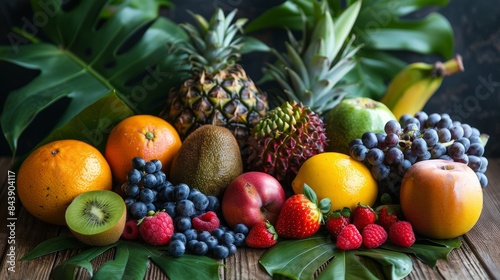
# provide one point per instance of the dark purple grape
(392, 126)
(419, 147)
(410, 156)
(475, 132)
(404, 118)
(356, 141)
(375, 156)
(484, 164)
(422, 118)
(394, 156)
(465, 142)
(475, 139)
(456, 132)
(456, 150)
(432, 120)
(444, 122)
(380, 171)
(446, 157)
(463, 159)
(438, 150)
(391, 140)
(483, 180)
(403, 166)
(369, 140)
(475, 149)
(444, 135)
(426, 156)
(381, 141)
(358, 152)
(475, 163)
(467, 130)
(431, 137)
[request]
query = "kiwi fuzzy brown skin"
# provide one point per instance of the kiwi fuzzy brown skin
(208, 160)
(101, 235)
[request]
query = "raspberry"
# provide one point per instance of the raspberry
(363, 215)
(131, 231)
(206, 222)
(373, 236)
(401, 234)
(349, 238)
(156, 229)
(336, 223)
(387, 216)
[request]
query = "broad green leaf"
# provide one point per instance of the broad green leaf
(428, 35)
(286, 15)
(116, 268)
(94, 123)
(297, 259)
(66, 270)
(346, 266)
(188, 267)
(53, 245)
(88, 56)
(395, 265)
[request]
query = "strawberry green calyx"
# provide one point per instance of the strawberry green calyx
(323, 206)
(271, 230)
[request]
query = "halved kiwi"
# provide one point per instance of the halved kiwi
(97, 218)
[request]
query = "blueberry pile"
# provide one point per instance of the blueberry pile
(416, 138)
(197, 226)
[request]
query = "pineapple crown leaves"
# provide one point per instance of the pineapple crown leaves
(312, 68)
(213, 45)
(323, 206)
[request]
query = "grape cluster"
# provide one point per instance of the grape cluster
(147, 189)
(415, 138)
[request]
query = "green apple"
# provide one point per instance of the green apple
(351, 118)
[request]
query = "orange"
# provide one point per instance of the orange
(441, 199)
(339, 177)
(144, 136)
(55, 173)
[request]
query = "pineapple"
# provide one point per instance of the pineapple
(311, 70)
(218, 92)
(309, 75)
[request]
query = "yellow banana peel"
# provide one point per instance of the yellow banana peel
(410, 89)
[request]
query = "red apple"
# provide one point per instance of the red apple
(252, 197)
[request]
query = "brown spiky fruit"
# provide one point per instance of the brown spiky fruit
(219, 92)
(284, 139)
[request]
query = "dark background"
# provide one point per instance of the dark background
(472, 97)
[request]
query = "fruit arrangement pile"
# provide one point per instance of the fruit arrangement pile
(219, 169)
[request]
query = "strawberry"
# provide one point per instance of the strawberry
(362, 216)
(349, 238)
(337, 221)
(373, 236)
(401, 234)
(301, 216)
(262, 235)
(156, 228)
(387, 215)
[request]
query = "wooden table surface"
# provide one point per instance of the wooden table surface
(478, 257)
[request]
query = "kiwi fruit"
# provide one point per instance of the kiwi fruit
(208, 160)
(97, 218)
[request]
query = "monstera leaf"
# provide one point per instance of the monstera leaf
(90, 48)
(381, 26)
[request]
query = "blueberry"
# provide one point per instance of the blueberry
(190, 244)
(241, 228)
(147, 195)
(211, 242)
(157, 164)
(129, 201)
(149, 181)
(151, 207)
(203, 236)
(218, 232)
(220, 252)
(181, 191)
(138, 209)
(200, 248)
(160, 178)
(150, 167)
(191, 234)
(185, 208)
(179, 236)
(232, 249)
(192, 193)
(213, 203)
(169, 207)
(132, 190)
(200, 201)
(227, 239)
(182, 223)
(134, 176)
(138, 163)
(176, 248)
(239, 239)
(165, 192)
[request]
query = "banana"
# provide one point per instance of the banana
(410, 89)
